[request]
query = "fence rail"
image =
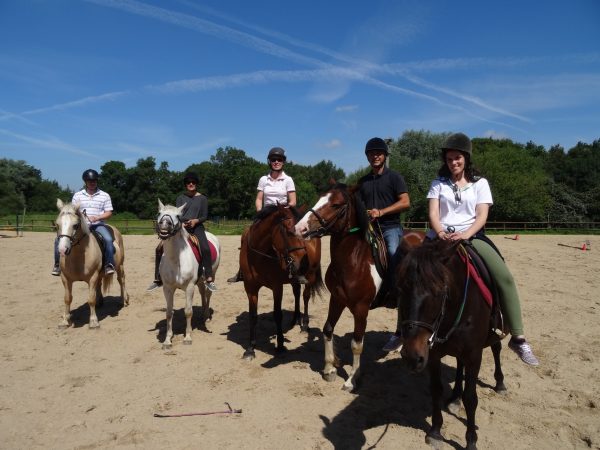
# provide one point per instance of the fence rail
(227, 226)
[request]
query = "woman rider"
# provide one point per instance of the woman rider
(459, 202)
(274, 188)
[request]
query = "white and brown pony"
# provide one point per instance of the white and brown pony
(81, 260)
(179, 267)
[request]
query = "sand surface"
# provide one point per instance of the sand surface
(82, 389)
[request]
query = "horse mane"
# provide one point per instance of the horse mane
(429, 264)
(268, 210)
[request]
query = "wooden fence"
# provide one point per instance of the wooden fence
(226, 226)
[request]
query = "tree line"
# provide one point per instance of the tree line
(529, 183)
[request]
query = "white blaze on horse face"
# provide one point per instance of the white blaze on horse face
(302, 226)
(65, 229)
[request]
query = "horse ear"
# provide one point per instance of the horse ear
(332, 181)
(160, 205)
(59, 204)
(76, 206)
(181, 208)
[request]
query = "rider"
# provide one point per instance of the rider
(274, 188)
(193, 217)
(459, 202)
(385, 195)
(97, 207)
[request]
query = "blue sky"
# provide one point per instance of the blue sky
(85, 82)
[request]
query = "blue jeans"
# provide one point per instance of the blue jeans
(392, 238)
(109, 250)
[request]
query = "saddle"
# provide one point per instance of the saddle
(195, 246)
(482, 277)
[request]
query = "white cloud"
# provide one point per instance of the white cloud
(333, 143)
(346, 108)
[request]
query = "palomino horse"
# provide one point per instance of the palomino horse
(351, 277)
(179, 268)
(444, 313)
(81, 260)
(271, 255)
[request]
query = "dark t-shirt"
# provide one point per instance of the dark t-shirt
(380, 191)
(196, 208)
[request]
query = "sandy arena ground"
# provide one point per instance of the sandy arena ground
(83, 389)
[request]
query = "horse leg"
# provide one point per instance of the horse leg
(470, 400)
(66, 317)
(498, 375)
(249, 353)
(434, 435)
(94, 290)
(168, 292)
(453, 404)
(205, 295)
(121, 280)
(278, 316)
(331, 360)
(360, 324)
(305, 318)
(296, 320)
(189, 303)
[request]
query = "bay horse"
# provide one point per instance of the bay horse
(179, 268)
(352, 278)
(81, 260)
(271, 255)
(444, 313)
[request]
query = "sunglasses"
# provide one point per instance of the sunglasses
(274, 160)
(190, 182)
(457, 195)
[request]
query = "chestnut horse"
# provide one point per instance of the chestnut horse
(81, 260)
(352, 278)
(271, 255)
(444, 313)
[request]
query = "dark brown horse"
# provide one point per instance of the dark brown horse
(272, 255)
(352, 278)
(444, 313)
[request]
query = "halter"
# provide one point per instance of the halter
(174, 229)
(289, 261)
(435, 327)
(325, 225)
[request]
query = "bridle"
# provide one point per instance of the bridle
(289, 261)
(327, 225)
(435, 326)
(71, 237)
(174, 227)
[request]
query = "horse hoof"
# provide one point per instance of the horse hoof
(454, 407)
(304, 328)
(348, 387)
(501, 389)
(94, 326)
(63, 326)
(248, 355)
(167, 346)
(435, 442)
(329, 377)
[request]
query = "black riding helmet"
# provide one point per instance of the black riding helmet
(458, 141)
(89, 175)
(191, 176)
(376, 144)
(276, 151)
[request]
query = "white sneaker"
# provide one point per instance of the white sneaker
(523, 349)
(212, 287)
(394, 344)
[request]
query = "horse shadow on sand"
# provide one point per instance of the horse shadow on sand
(387, 393)
(198, 322)
(110, 307)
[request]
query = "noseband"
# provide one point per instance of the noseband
(175, 227)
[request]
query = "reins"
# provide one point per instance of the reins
(435, 327)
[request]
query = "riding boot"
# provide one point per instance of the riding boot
(157, 281)
(237, 277)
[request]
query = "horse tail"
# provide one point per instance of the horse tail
(317, 287)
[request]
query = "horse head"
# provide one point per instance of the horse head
(168, 222)
(325, 217)
(71, 226)
(424, 283)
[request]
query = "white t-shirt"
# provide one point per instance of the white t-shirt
(276, 189)
(459, 214)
